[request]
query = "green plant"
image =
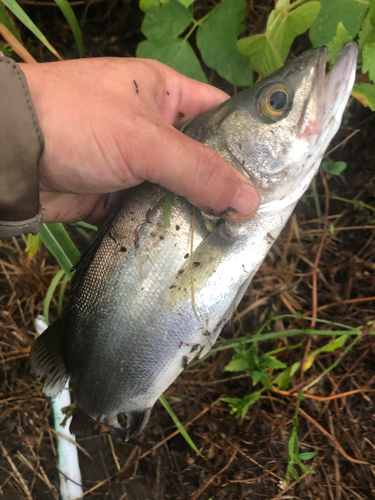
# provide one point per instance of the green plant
(216, 37)
(294, 457)
(259, 368)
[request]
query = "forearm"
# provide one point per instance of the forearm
(21, 146)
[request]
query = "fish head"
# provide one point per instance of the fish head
(277, 131)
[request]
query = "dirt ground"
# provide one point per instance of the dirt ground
(323, 262)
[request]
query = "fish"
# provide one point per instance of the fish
(146, 299)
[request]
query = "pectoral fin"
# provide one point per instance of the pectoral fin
(205, 260)
(47, 359)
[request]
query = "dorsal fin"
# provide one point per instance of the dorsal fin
(84, 261)
(46, 358)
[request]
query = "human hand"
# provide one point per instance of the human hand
(109, 124)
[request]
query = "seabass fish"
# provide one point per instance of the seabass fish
(130, 326)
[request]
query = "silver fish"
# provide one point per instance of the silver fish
(130, 326)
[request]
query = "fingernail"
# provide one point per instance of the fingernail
(246, 203)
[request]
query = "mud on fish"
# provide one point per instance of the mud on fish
(129, 328)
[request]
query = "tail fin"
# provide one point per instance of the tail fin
(47, 359)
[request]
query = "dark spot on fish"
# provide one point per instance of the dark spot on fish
(270, 238)
(243, 267)
(240, 145)
(185, 361)
(112, 237)
(194, 348)
(136, 86)
(180, 115)
(206, 334)
(182, 342)
(161, 237)
(186, 256)
(148, 213)
(123, 249)
(153, 234)
(177, 227)
(136, 241)
(142, 288)
(180, 271)
(196, 264)
(167, 92)
(172, 286)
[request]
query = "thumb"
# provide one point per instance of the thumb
(198, 173)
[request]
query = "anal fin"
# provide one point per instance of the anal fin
(47, 359)
(81, 424)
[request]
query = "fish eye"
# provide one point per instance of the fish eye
(274, 101)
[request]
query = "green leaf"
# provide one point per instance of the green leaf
(333, 345)
(307, 456)
(179, 425)
(186, 3)
(166, 21)
(271, 363)
(337, 42)
(368, 60)
(264, 57)
(33, 243)
(217, 41)
(241, 406)
(58, 242)
(5, 19)
(367, 32)
(24, 18)
(269, 51)
(146, 4)
(293, 472)
(334, 168)
(298, 21)
(73, 23)
(176, 53)
(237, 365)
(50, 292)
(349, 12)
(365, 93)
(256, 375)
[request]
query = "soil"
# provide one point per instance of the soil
(326, 253)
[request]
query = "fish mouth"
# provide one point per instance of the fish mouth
(330, 92)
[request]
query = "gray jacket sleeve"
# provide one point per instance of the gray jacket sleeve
(21, 146)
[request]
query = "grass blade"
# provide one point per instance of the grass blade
(73, 23)
(179, 425)
(50, 292)
(58, 242)
(24, 18)
(62, 292)
(6, 20)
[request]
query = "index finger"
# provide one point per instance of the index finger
(184, 98)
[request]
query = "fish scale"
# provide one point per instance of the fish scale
(130, 327)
